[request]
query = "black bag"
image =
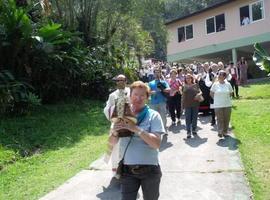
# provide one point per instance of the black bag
(162, 87)
(120, 168)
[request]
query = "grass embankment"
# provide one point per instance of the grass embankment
(40, 151)
(251, 124)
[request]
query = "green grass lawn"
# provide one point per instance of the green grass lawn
(251, 125)
(41, 151)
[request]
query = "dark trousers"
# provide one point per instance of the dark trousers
(191, 114)
(235, 87)
(149, 180)
(213, 115)
(174, 104)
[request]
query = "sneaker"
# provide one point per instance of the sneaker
(220, 135)
(178, 121)
(225, 134)
(194, 133)
(173, 123)
(213, 123)
(188, 135)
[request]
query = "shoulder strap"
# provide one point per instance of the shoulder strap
(127, 147)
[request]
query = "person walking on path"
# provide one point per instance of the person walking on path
(243, 67)
(174, 100)
(232, 69)
(191, 91)
(121, 88)
(221, 91)
(159, 88)
(141, 164)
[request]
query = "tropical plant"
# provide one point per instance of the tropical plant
(261, 58)
(15, 97)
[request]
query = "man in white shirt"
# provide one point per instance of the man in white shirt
(108, 110)
(245, 21)
(121, 87)
(150, 73)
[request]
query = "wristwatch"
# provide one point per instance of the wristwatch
(140, 132)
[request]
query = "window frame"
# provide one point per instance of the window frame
(215, 23)
(178, 34)
(251, 13)
(185, 33)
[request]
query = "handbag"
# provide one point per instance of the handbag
(161, 86)
(199, 98)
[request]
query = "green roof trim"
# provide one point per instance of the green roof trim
(219, 47)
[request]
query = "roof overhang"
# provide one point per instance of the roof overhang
(222, 51)
(199, 11)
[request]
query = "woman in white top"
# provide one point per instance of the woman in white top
(221, 92)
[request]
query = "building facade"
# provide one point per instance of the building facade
(224, 32)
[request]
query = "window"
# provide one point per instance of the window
(210, 25)
(181, 34)
(215, 24)
(251, 13)
(244, 15)
(220, 23)
(185, 33)
(189, 32)
(257, 11)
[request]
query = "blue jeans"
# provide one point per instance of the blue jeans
(148, 180)
(191, 115)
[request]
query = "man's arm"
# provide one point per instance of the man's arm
(109, 104)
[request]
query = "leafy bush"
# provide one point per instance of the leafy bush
(55, 63)
(261, 58)
(15, 97)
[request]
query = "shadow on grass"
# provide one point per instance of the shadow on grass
(257, 97)
(50, 128)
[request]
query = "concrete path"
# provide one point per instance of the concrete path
(204, 167)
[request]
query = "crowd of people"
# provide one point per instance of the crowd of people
(173, 90)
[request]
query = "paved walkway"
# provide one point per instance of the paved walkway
(201, 168)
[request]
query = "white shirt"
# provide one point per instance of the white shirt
(150, 71)
(222, 94)
(111, 102)
(245, 21)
